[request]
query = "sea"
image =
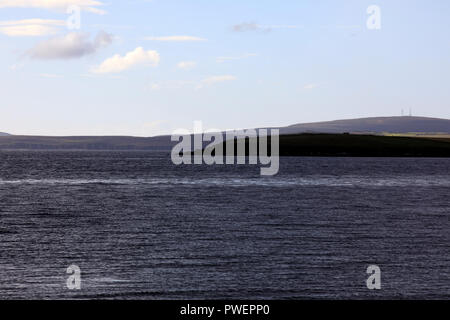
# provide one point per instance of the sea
(139, 227)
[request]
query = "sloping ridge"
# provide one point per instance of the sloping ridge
(365, 125)
(374, 125)
(86, 143)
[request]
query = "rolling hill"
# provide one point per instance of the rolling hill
(375, 126)
(421, 125)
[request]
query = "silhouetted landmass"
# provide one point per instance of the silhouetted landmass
(349, 145)
(362, 145)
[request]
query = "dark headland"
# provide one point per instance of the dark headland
(382, 136)
(358, 145)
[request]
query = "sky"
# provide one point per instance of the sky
(145, 68)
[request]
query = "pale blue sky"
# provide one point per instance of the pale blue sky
(253, 63)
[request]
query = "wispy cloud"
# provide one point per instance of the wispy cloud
(70, 46)
(16, 66)
(243, 27)
(244, 56)
(137, 57)
(61, 5)
(285, 26)
(176, 39)
(215, 79)
(251, 26)
(50, 76)
(30, 27)
(311, 86)
(186, 65)
(348, 26)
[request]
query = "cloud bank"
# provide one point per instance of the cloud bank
(30, 27)
(60, 5)
(70, 46)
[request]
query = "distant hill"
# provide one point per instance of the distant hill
(393, 125)
(4, 134)
(374, 125)
(85, 143)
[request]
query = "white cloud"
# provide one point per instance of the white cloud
(186, 65)
(176, 39)
(247, 55)
(61, 5)
(72, 45)
(134, 58)
(30, 27)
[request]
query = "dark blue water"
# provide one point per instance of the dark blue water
(142, 228)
